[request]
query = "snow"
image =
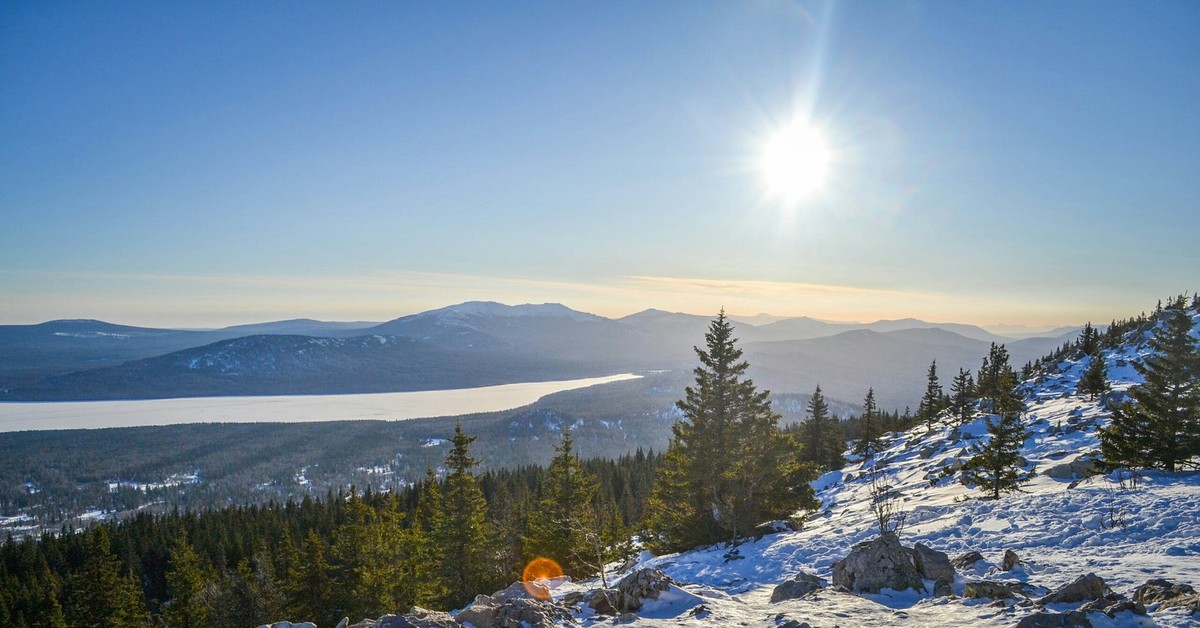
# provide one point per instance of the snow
(1060, 528)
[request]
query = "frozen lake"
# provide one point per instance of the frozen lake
(62, 415)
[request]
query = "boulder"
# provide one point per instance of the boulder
(288, 624)
(642, 584)
(529, 613)
(932, 564)
(417, 618)
(607, 602)
(1112, 604)
(1167, 594)
(1078, 468)
(1083, 589)
(1045, 619)
(798, 586)
(1010, 560)
(967, 560)
(479, 613)
(943, 588)
(876, 565)
(993, 589)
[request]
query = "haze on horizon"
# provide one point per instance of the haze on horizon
(204, 165)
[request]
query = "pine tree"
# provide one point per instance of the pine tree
(186, 583)
(821, 435)
(309, 589)
(98, 595)
(428, 525)
(962, 396)
(1160, 428)
(995, 365)
(463, 537)
(707, 486)
(931, 402)
(1089, 339)
(1094, 381)
(996, 465)
(870, 428)
(559, 527)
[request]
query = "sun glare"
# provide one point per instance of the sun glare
(795, 161)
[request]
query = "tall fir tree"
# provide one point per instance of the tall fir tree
(1094, 381)
(962, 396)
(98, 595)
(309, 589)
(995, 365)
(996, 465)
(463, 535)
(560, 525)
(821, 435)
(931, 401)
(1089, 339)
(870, 428)
(1160, 428)
(428, 524)
(186, 584)
(706, 487)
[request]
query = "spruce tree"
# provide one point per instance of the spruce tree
(962, 396)
(463, 537)
(1160, 428)
(559, 526)
(707, 487)
(98, 594)
(186, 583)
(308, 589)
(931, 402)
(428, 524)
(1094, 381)
(996, 465)
(821, 435)
(870, 428)
(1089, 339)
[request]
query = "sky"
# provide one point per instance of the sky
(207, 164)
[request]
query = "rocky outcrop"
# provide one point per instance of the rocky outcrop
(515, 612)
(876, 565)
(966, 561)
(1076, 469)
(1083, 589)
(932, 564)
(994, 590)
(288, 624)
(1046, 619)
(416, 618)
(1113, 604)
(1010, 560)
(1166, 594)
(640, 585)
(798, 586)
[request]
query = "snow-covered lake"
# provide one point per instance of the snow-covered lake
(62, 415)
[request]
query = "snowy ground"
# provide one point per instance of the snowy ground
(1061, 530)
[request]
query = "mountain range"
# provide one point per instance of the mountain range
(475, 344)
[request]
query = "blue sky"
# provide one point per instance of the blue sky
(203, 164)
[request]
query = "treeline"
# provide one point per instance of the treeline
(436, 543)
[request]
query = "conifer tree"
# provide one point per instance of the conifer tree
(98, 594)
(559, 526)
(309, 590)
(706, 487)
(463, 537)
(870, 427)
(1089, 339)
(996, 465)
(1160, 428)
(962, 396)
(428, 525)
(931, 402)
(995, 365)
(1094, 381)
(821, 435)
(186, 580)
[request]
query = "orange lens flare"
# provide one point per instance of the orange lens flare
(536, 573)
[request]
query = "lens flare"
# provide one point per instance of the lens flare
(536, 575)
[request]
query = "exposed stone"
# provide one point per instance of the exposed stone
(1083, 589)
(642, 584)
(1078, 468)
(607, 602)
(798, 586)
(480, 613)
(625, 618)
(967, 560)
(529, 613)
(366, 623)
(928, 450)
(943, 588)
(1112, 604)
(1167, 594)
(288, 624)
(417, 618)
(1010, 560)
(1044, 619)
(932, 564)
(993, 589)
(876, 565)
(345, 623)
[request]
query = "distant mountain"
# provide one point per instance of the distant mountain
(298, 327)
(33, 351)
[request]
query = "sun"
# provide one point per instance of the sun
(795, 162)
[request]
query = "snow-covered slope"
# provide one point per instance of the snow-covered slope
(1061, 527)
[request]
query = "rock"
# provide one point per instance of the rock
(1083, 589)
(1112, 604)
(943, 588)
(1167, 594)
(607, 602)
(1044, 619)
(876, 565)
(641, 584)
(798, 586)
(1010, 560)
(932, 564)
(1076, 469)
(625, 618)
(783, 621)
(574, 598)
(992, 589)
(529, 613)
(366, 623)
(288, 624)
(345, 623)
(967, 560)
(928, 450)
(417, 618)
(480, 613)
